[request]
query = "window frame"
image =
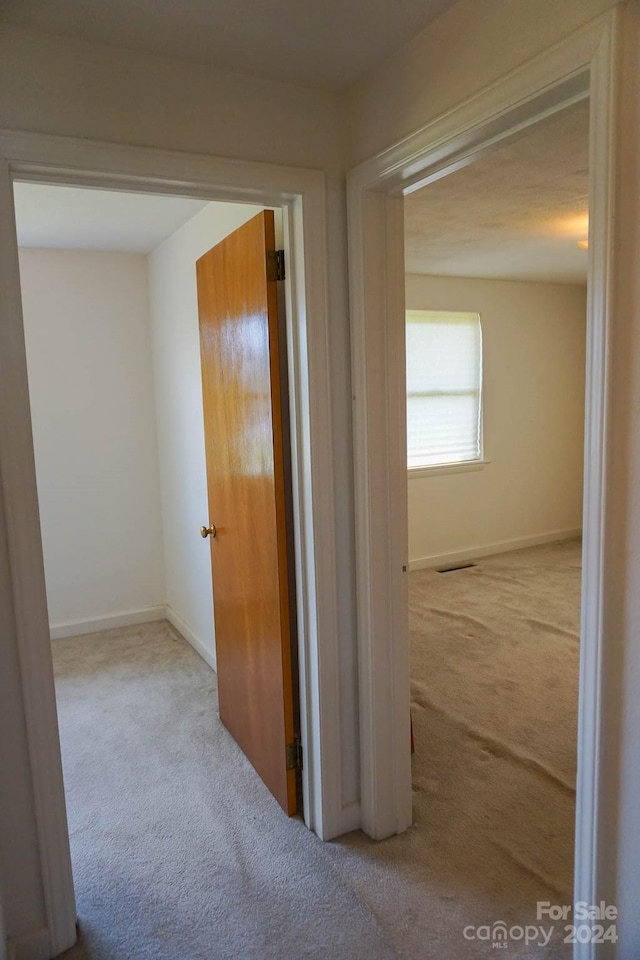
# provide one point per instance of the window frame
(454, 466)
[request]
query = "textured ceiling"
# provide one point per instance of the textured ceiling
(74, 218)
(329, 44)
(517, 213)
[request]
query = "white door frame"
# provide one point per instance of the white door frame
(583, 65)
(301, 194)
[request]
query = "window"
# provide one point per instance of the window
(444, 388)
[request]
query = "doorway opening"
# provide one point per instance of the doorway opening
(300, 195)
(111, 319)
(496, 298)
(580, 68)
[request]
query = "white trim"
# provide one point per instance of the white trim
(187, 633)
(310, 394)
(502, 546)
(380, 450)
(564, 74)
(26, 588)
(594, 834)
(76, 628)
(351, 817)
(441, 469)
(458, 137)
(29, 946)
(301, 193)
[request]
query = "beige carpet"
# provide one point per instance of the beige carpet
(494, 704)
(179, 851)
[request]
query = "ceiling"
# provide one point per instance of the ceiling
(515, 214)
(74, 218)
(329, 44)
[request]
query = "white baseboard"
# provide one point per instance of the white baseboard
(29, 946)
(185, 630)
(76, 628)
(504, 546)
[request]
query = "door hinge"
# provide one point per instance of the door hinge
(294, 755)
(275, 265)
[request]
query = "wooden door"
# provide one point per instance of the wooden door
(247, 447)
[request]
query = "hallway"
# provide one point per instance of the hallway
(179, 850)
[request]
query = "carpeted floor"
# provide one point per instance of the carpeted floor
(494, 703)
(180, 853)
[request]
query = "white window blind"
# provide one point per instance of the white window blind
(444, 387)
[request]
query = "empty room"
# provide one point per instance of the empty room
(496, 311)
(119, 302)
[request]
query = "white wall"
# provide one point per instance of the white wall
(87, 330)
(620, 795)
(461, 53)
(72, 88)
(86, 90)
(176, 359)
(534, 338)
(464, 50)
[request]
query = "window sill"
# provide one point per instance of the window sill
(439, 469)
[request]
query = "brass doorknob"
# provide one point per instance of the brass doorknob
(209, 531)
